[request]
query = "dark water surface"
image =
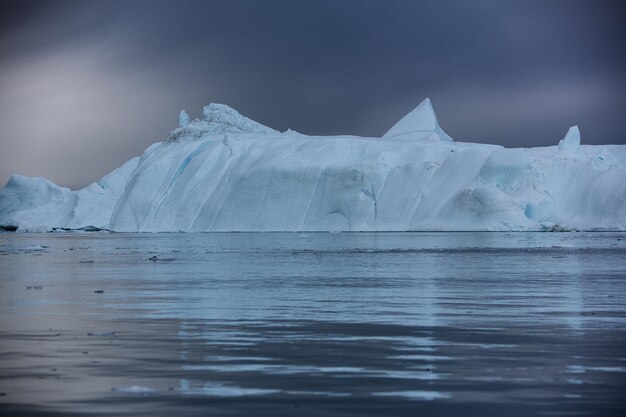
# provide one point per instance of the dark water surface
(354, 324)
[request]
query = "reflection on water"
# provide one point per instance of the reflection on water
(309, 324)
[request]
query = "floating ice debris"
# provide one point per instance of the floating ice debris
(414, 395)
(576, 369)
(319, 393)
(579, 369)
(221, 390)
(574, 381)
(155, 259)
(35, 248)
(222, 358)
(102, 334)
(134, 389)
(422, 357)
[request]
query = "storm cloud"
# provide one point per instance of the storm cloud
(85, 86)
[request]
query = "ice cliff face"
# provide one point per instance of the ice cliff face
(225, 172)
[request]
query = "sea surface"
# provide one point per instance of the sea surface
(308, 324)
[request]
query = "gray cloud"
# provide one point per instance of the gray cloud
(87, 85)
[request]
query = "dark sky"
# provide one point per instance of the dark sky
(86, 85)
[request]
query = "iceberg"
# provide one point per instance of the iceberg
(226, 172)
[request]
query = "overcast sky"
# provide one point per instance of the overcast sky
(86, 85)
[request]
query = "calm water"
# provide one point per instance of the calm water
(313, 324)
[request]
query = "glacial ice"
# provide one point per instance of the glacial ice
(225, 172)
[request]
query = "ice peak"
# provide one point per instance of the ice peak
(418, 122)
(214, 111)
(183, 119)
(224, 119)
(571, 141)
(217, 119)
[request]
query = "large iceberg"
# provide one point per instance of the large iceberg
(225, 172)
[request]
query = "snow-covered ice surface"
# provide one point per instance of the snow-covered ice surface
(225, 172)
(313, 324)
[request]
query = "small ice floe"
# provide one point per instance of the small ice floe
(579, 369)
(575, 369)
(134, 389)
(223, 358)
(101, 334)
(34, 229)
(35, 248)
(319, 393)
(575, 381)
(216, 389)
(484, 378)
(427, 375)
(428, 358)
(231, 368)
(607, 368)
(414, 395)
(270, 369)
(156, 259)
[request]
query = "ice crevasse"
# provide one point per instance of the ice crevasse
(225, 172)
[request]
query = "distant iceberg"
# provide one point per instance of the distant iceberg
(225, 172)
